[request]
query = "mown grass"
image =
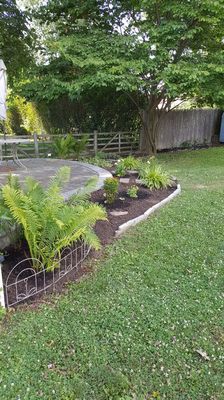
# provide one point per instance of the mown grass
(132, 330)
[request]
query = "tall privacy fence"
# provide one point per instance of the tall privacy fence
(176, 129)
(182, 128)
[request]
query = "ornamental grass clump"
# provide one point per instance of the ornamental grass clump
(153, 176)
(50, 224)
(111, 186)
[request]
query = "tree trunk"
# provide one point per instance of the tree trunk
(150, 119)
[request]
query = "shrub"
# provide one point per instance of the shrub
(63, 146)
(68, 146)
(111, 189)
(153, 176)
(49, 223)
(133, 191)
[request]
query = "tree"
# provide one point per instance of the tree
(14, 38)
(154, 51)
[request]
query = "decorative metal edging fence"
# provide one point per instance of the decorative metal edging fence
(23, 283)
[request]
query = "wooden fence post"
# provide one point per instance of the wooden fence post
(95, 144)
(36, 148)
(119, 142)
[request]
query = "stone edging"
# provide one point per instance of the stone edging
(123, 228)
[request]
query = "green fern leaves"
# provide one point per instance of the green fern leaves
(48, 222)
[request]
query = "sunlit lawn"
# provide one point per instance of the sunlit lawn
(134, 328)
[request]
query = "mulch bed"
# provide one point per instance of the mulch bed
(135, 207)
(105, 230)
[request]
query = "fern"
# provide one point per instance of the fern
(48, 222)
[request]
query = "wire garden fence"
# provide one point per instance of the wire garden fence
(23, 282)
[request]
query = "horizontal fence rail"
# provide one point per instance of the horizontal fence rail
(42, 145)
(24, 281)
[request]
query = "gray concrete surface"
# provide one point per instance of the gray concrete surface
(43, 170)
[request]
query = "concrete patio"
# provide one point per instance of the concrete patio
(43, 170)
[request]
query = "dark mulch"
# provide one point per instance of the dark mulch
(135, 207)
(105, 230)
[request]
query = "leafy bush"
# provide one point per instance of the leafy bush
(63, 146)
(133, 192)
(111, 189)
(68, 146)
(49, 223)
(126, 164)
(153, 176)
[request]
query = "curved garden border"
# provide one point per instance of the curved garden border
(124, 227)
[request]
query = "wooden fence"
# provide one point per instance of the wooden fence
(183, 128)
(108, 142)
(176, 129)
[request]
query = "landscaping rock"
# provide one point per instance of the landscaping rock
(124, 180)
(118, 213)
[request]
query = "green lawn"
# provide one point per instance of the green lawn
(132, 329)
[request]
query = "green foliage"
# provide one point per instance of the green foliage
(111, 186)
(68, 146)
(153, 300)
(15, 39)
(98, 161)
(133, 191)
(130, 163)
(62, 147)
(161, 52)
(8, 227)
(153, 176)
(79, 146)
(120, 169)
(49, 223)
(126, 164)
(23, 117)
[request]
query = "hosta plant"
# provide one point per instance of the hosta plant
(154, 177)
(49, 223)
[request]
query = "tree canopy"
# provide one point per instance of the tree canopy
(152, 51)
(15, 39)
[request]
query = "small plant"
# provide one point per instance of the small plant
(154, 177)
(126, 164)
(111, 189)
(133, 192)
(130, 163)
(120, 169)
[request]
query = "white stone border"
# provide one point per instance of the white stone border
(123, 228)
